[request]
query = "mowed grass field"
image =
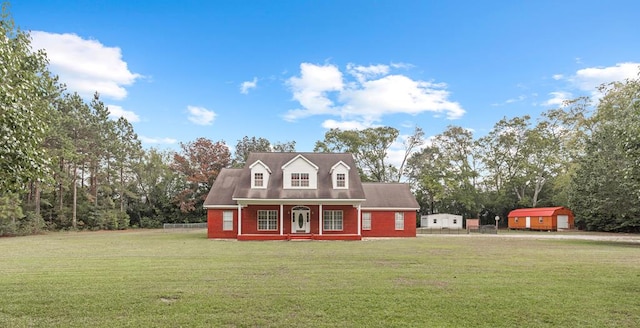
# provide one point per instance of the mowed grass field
(152, 278)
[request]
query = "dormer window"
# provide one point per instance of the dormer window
(340, 175)
(299, 173)
(299, 179)
(259, 175)
(258, 180)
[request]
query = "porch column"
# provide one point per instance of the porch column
(239, 219)
(359, 220)
(320, 218)
(281, 219)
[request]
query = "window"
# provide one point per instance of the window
(399, 221)
(540, 219)
(332, 220)
(299, 179)
(267, 220)
(366, 221)
(435, 221)
(455, 221)
(340, 180)
(227, 220)
(258, 180)
(515, 220)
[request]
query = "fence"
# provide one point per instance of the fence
(440, 231)
(184, 226)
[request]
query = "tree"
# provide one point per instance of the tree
(369, 148)
(26, 93)
(605, 190)
(247, 145)
(199, 164)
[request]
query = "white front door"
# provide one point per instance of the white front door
(528, 222)
(300, 220)
(445, 223)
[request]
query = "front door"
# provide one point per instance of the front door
(300, 220)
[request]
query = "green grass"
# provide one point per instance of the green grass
(181, 279)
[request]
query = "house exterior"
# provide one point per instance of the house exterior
(441, 221)
(543, 218)
(284, 196)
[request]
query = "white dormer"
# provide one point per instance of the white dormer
(299, 173)
(260, 173)
(340, 175)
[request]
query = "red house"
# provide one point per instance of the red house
(283, 196)
(542, 218)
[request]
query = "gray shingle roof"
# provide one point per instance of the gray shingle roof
(236, 184)
(274, 189)
(389, 195)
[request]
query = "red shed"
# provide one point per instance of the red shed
(542, 218)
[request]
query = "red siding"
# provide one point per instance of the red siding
(383, 224)
(214, 224)
(548, 216)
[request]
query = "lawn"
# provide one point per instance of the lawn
(181, 279)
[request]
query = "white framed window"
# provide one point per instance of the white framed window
(540, 219)
(227, 220)
(332, 220)
(399, 220)
(300, 179)
(267, 220)
(435, 221)
(366, 221)
(341, 180)
(455, 221)
(258, 179)
(515, 219)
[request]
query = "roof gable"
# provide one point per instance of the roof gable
(259, 162)
(298, 158)
(340, 163)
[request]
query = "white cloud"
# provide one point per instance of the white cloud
(85, 66)
(344, 125)
(558, 98)
(321, 90)
(149, 140)
(588, 79)
(247, 85)
(116, 111)
(363, 73)
(311, 88)
(200, 115)
(558, 77)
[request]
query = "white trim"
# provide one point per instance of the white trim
(359, 220)
(395, 209)
(254, 201)
(339, 163)
(239, 219)
(281, 219)
(320, 216)
(304, 158)
(221, 207)
(261, 163)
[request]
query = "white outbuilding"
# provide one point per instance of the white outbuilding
(441, 221)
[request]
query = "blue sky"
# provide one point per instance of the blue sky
(289, 70)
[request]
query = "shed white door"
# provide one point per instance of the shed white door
(445, 223)
(563, 222)
(528, 222)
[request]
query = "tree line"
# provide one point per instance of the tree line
(64, 164)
